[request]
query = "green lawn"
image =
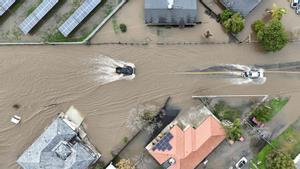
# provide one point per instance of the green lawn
(288, 142)
(277, 104)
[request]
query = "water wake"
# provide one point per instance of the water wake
(235, 73)
(105, 69)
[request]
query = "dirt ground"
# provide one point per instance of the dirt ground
(139, 32)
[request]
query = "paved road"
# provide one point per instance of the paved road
(45, 80)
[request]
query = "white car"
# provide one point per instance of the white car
(294, 3)
(298, 9)
(241, 163)
(253, 74)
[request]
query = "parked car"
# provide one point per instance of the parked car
(298, 9)
(241, 163)
(294, 3)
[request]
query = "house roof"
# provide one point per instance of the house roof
(244, 7)
(57, 147)
(190, 146)
(171, 12)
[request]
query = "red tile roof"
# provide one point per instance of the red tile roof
(191, 146)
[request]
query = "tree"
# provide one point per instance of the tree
(277, 12)
(225, 15)
(258, 25)
(262, 113)
(235, 23)
(279, 160)
(125, 164)
(234, 131)
(123, 27)
(273, 36)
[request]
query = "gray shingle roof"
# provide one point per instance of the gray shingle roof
(183, 12)
(244, 7)
(57, 148)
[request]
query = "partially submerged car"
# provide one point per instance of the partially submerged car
(253, 74)
(126, 70)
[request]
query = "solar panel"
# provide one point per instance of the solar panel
(78, 16)
(5, 4)
(37, 15)
(164, 143)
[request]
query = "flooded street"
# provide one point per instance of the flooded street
(45, 80)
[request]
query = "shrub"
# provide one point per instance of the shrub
(100, 165)
(262, 113)
(225, 15)
(235, 24)
(123, 28)
(277, 12)
(234, 132)
(125, 139)
(258, 26)
(148, 116)
(279, 160)
(273, 36)
(125, 164)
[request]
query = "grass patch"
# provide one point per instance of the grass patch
(288, 142)
(32, 8)
(16, 6)
(116, 26)
(225, 112)
(277, 104)
(59, 37)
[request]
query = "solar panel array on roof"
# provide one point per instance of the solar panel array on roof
(164, 143)
(37, 15)
(4, 5)
(78, 16)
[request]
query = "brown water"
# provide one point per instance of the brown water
(46, 80)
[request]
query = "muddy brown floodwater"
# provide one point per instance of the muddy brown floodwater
(45, 80)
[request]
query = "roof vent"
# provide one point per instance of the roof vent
(170, 4)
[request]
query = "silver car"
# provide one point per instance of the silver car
(253, 74)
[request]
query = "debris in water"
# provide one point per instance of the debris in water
(15, 119)
(16, 106)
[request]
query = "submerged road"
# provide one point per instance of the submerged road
(45, 80)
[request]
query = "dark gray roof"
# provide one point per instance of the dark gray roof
(183, 12)
(57, 148)
(244, 7)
